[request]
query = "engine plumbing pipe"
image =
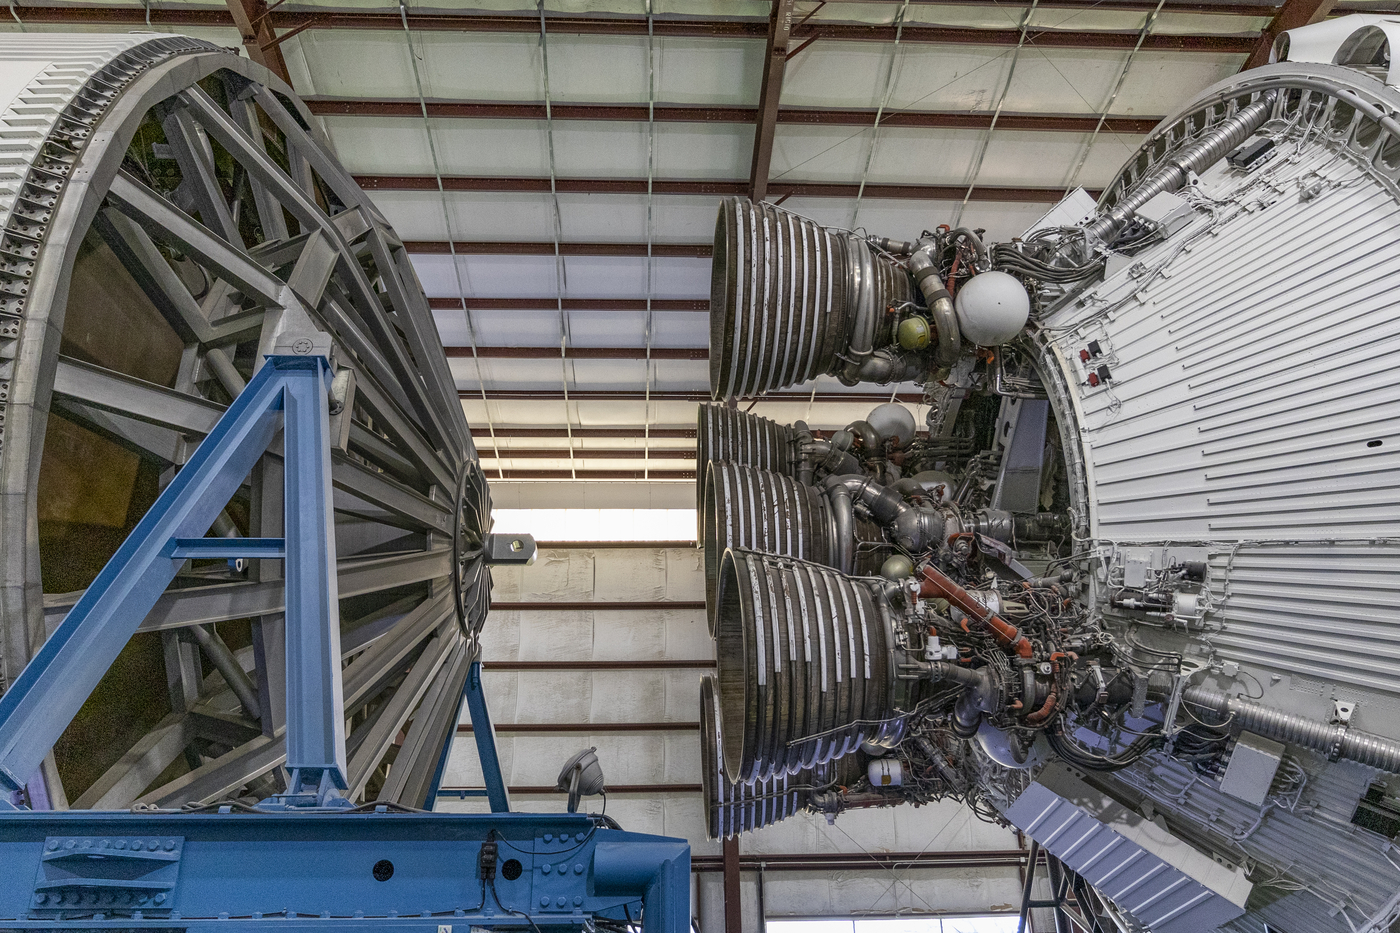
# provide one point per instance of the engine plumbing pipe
(1334, 741)
(940, 304)
(936, 583)
(1175, 171)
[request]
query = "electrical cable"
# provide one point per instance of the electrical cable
(511, 910)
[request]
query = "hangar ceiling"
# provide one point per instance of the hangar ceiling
(556, 168)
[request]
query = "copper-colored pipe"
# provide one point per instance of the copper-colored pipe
(936, 583)
(1053, 699)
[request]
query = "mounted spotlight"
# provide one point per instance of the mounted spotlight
(582, 777)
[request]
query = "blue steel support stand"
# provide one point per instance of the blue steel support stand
(485, 734)
(307, 859)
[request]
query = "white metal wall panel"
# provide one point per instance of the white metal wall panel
(606, 575)
(1253, 406)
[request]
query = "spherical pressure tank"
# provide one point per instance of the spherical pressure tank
(171, 200)
(992, 308)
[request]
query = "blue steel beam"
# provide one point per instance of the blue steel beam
(485, 734)
(375, 870)
(315, 696)
(200, 548)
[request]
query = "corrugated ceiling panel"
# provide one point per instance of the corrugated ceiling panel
(589, 375)
(905, 219)
(508, 66)
(839, 153)
(584, 276)
(710, 71)
(623, 217)
(333, 61)
(491, 147)
(1008, 16)
(670, 329)
(1024, 158)
(609, 413)
(628, 329)
(683, 150)
(935, 77)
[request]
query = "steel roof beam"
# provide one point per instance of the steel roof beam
(697, 395)
(771, 92)
(570, 304)
(579, 353)
(718, 188)
(691, 27)
(259, 38)
(1291, 15)
(794, 116)
(543, 248)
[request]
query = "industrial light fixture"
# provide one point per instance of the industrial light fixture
(582, 777)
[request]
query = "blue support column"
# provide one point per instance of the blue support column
(485, 735)
(315, 698)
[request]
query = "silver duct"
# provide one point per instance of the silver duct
(1194, 158)
(1331, 739)
(804, 667)
(732, 808)
(788, 295)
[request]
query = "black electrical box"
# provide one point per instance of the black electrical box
(1251, 155)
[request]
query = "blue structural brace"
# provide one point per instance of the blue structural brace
(485, 734)
(288, 391)
(307, 859)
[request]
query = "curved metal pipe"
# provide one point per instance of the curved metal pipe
(843, 520)
(1333, 740)
(940, 305)
(1195, 158)
(1007, 635)
(911, 527)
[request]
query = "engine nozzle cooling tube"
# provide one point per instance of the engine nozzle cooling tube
(936, 583)
(1334, 741)
(1173, 174)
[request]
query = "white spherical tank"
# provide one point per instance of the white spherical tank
(992, 308)
(892, 421)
